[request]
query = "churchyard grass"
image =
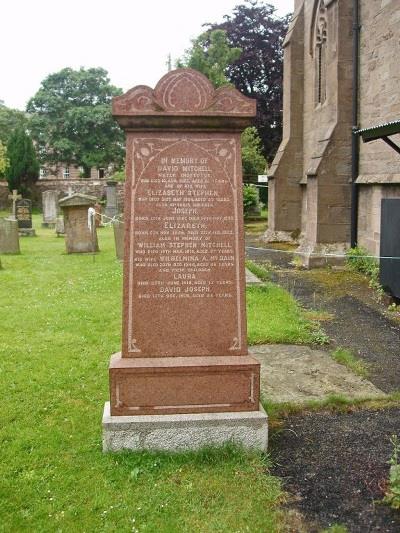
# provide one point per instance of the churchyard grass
(347, 358)
(273, 316)
(60, 322)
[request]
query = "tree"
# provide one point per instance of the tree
(71, 120)
(258, 72)
(211, 54)
(253, 161)
(9, 120)
(23, 168)
(3, 160)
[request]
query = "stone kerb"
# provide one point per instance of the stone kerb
(184, 348)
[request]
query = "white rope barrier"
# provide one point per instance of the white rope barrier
(322, 255)
(117, 218)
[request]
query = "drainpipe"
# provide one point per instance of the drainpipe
(355, 140)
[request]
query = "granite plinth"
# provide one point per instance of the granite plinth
(166, 385)
(181, 432)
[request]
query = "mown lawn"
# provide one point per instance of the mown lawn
(59, 322)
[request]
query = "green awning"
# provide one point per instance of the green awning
(381, 131)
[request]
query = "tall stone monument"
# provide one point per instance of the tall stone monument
(50, 208)
(184, 378)
(14, 197)
(111, 199)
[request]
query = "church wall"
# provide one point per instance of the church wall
(379, 171)
(327, 131)
(284, 201)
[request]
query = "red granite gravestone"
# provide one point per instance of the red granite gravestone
(184, 346)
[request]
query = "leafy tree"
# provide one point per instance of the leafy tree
(23, 168)
(9, 120)
(211, 54)
(258, 71)
(3, 160)
(71, 120)
(251, 203)
(253, 161)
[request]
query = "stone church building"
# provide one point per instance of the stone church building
(341, 75)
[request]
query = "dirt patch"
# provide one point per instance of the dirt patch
(335, 466)
(299, 374)
(359, 321)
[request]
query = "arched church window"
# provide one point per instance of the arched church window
(320, 56)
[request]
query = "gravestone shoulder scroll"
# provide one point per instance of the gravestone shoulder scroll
(184, 348)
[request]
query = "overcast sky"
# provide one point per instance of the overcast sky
(131, 39)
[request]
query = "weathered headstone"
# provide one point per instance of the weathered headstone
(118, 227)
(14, 197)
(184, 365)
(111, 199)
(60, 229)
(98, 217)
(50, 208)
(23, 214)
(80, 234)
(9, 238)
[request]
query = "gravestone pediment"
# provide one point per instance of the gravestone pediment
(182, 93)
(77, 199)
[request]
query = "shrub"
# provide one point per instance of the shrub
(360, 259)
(251, 202)
(118, 176)
(393, 495)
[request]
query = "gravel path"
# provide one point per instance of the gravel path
(335, 465)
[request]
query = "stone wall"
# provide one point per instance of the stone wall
(312, 169)
(379, 173)
(284, 202)
(369, 214)
(379, 81)
(321, 105)
(92, 187)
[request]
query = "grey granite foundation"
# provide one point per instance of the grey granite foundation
(184, 431)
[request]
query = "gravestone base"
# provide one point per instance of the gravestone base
(49, 225)
(178, 385)
(181, 432)
(26, 232)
